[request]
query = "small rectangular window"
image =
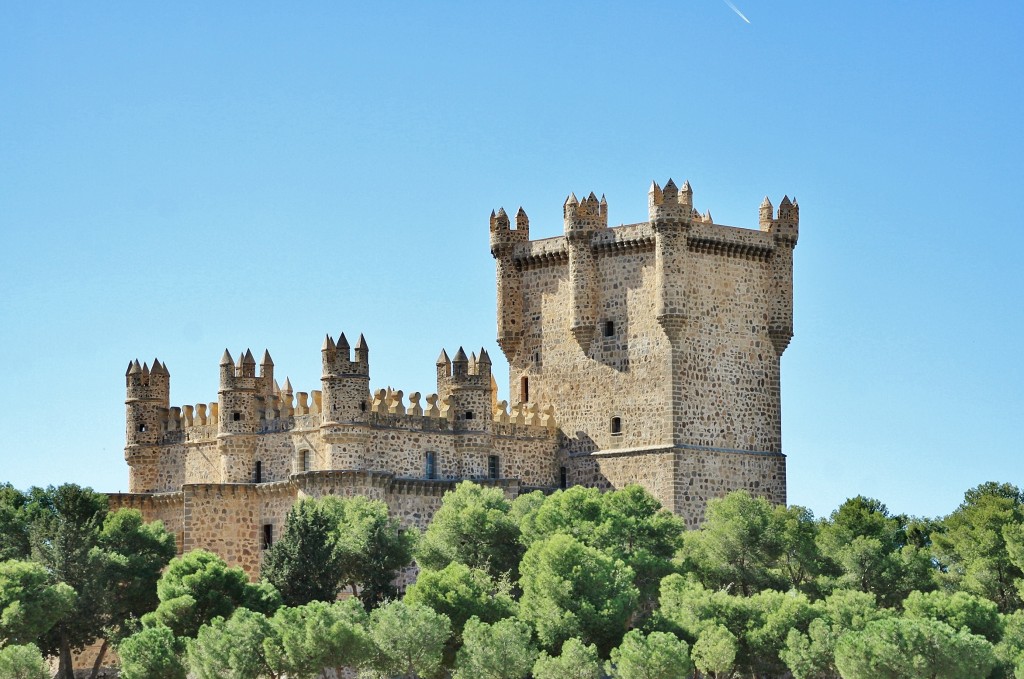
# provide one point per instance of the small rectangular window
(493, 468)
(609, 328)
(236, 416)
(563, 478)
(259, 472)
(616, 426)
(524, 389)
(268, 535)
(305, 460)
(469, 414)
(431, 464)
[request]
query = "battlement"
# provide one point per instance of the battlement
(586, 215)
(471, 371)
(145, 384)
(241, 376)
(786, 224)
(502, 235)
(337, 361)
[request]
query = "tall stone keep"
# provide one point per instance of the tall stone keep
(657, 343)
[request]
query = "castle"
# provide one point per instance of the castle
(644, 353)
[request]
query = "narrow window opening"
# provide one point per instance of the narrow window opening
(563, 478)
(524, 389)
(469, 414)
(268, 535)
(362, 406)
(304, 460)
(236, 416)
(616, 426)
(493, 467)
(609, 328)
(259, 471)
(431, 464)
(142, 428)
(536, 357)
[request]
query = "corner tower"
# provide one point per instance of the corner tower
(658, 343)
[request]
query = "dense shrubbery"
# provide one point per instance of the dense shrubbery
(574, 584)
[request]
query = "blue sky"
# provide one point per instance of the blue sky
(180, 177)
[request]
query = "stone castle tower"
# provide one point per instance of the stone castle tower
(657, 343)
(645, 353)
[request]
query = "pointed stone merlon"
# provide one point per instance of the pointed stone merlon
(503, 236)
(462, 370)
(337, 359)
(143, 383)
(584, 216)
(786, 224)
(671, 202)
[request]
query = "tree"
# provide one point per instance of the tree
(408, 641)
(571, 590)
(474, 527)
(739, 545)
(811, 654)
(576, 661)
(372, 545)
(307, 639)
(870, 551)
(305, 563)
(659, 655)
(503, 650)
(14, 540)
(714, 652)
(959, 610)
(22, 662)
(902, 648)
(29, 604)
(152, 653)
(972, 548)
(199, 586)
(800, 560)
(460, 593)
(231, 648)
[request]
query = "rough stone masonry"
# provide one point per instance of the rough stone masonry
(644, 353)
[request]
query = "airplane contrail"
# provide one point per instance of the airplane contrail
(738, 13)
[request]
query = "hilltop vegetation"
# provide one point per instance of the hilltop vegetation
(574, 584)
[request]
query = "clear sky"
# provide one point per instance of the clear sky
(180, 177)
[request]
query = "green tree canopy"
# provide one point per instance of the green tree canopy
(576, 661)
(306, 639)
(231, 648)
(474, 527)
(408, 641)
(572, 590)
(959, 610)
(305, 563)
(460, 593)
(503, 650)
(152, 653)
(658, 655)
(22, 662)
(14, 538)
(903, 648)
(29, 604)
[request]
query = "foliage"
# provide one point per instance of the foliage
(14, 538)
(460, 593)
(151, 653)
(811, 654)
(958, 610)
(305, 563)
(29, 604)
(474, 527)
(714, 652)
(198, 586)
(903, 648)
(372, 546)
(659, 655)
(870, 551)
(627, 524)
(739, 545)
(22, 662)
(972, 548)
(800, 561)
(231, 648)
(576, 661)
(306, 639)
(408, 641)
(572, 590)
(503, 650)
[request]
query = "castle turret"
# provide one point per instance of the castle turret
(581, 220)
(671, 213)
(147, 401)
(509, 277)
(242, 400)
(468, 381)
(345, 380)
(786, 230)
